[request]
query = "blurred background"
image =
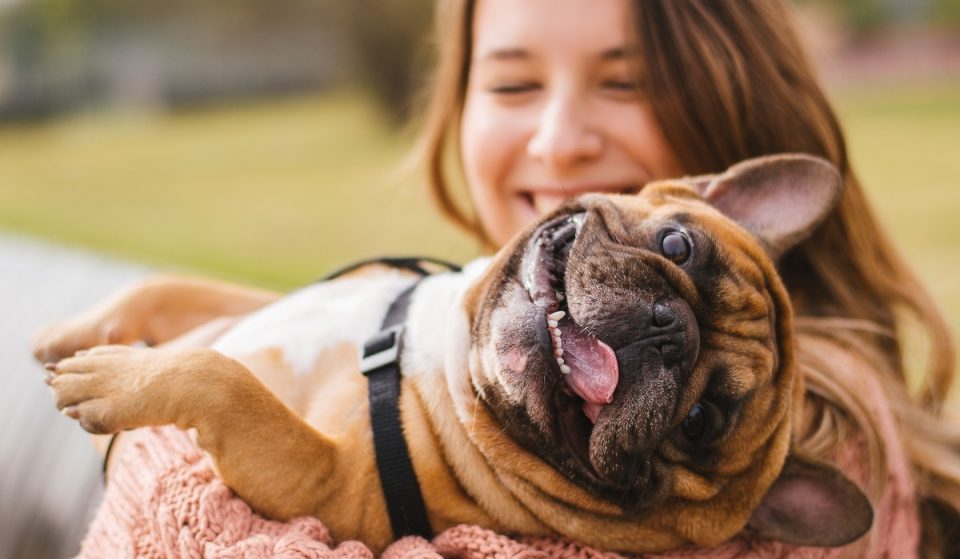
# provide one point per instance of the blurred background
(261, 142)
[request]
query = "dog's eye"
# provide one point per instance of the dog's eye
(675, 246)
(695, 424)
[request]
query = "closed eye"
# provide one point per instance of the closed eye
(626, 89)
(626, 85)
(515, 88)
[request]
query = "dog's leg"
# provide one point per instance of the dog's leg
(154, 311)
(252, 436)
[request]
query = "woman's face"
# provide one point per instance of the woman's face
(552, 110)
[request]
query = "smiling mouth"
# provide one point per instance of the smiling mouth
(542, 201)
(589, 366)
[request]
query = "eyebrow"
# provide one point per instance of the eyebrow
(620, 53)
(615, 53)
(505, 54)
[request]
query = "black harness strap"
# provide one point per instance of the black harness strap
(381, 366)
(413, 264)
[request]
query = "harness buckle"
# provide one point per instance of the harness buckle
(382, 349)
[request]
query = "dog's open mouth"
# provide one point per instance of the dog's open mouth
(588, 365)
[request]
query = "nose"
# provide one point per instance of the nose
(564, 138)
(674, 332)
(664, 315)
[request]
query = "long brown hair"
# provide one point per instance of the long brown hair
(728, 81)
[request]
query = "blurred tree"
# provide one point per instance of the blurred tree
(860, 16)
(64, 53)
(865, 17)
(946, 13)
(389, 40)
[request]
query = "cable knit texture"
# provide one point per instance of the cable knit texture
(164, 500)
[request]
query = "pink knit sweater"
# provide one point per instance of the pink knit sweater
(164, 500)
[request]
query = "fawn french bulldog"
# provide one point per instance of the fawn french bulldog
(621, 374)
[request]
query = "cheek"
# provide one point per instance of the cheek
(490, 143)
(639, 134)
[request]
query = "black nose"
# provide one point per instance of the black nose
(674, 332)
(664, 315)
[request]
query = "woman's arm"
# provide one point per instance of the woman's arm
(154, 311)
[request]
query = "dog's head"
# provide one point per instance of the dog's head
(641, 346)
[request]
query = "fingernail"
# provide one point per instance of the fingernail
(67, 411)
(48, 378)
(81, 352)
(50, 366)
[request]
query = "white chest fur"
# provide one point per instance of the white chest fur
(315, 318)
(305, 323)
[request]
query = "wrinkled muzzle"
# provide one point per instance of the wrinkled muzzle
(621, 336)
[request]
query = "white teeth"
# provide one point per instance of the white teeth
(559, 296)
(556, 335)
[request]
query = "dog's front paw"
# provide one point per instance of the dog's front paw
(113, 388)
(62, 339)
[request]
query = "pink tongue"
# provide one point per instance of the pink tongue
(593, 368)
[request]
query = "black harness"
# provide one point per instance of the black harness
(381, 366)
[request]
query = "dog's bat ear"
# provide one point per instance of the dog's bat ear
(778, 198)
(812, 504)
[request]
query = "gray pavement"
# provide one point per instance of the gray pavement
(49, 472)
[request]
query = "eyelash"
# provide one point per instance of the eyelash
(515, 89)
(622, 85)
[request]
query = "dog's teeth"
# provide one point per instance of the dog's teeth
(558, 353)
(560, 359)
(565, 369)
(556, 316)
(560, 296)
(552, 323)
(558, 342)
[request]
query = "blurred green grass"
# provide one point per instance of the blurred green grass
(272, 193)
(277, 193)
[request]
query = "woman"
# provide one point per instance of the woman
(608, 96)
(545, 100)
